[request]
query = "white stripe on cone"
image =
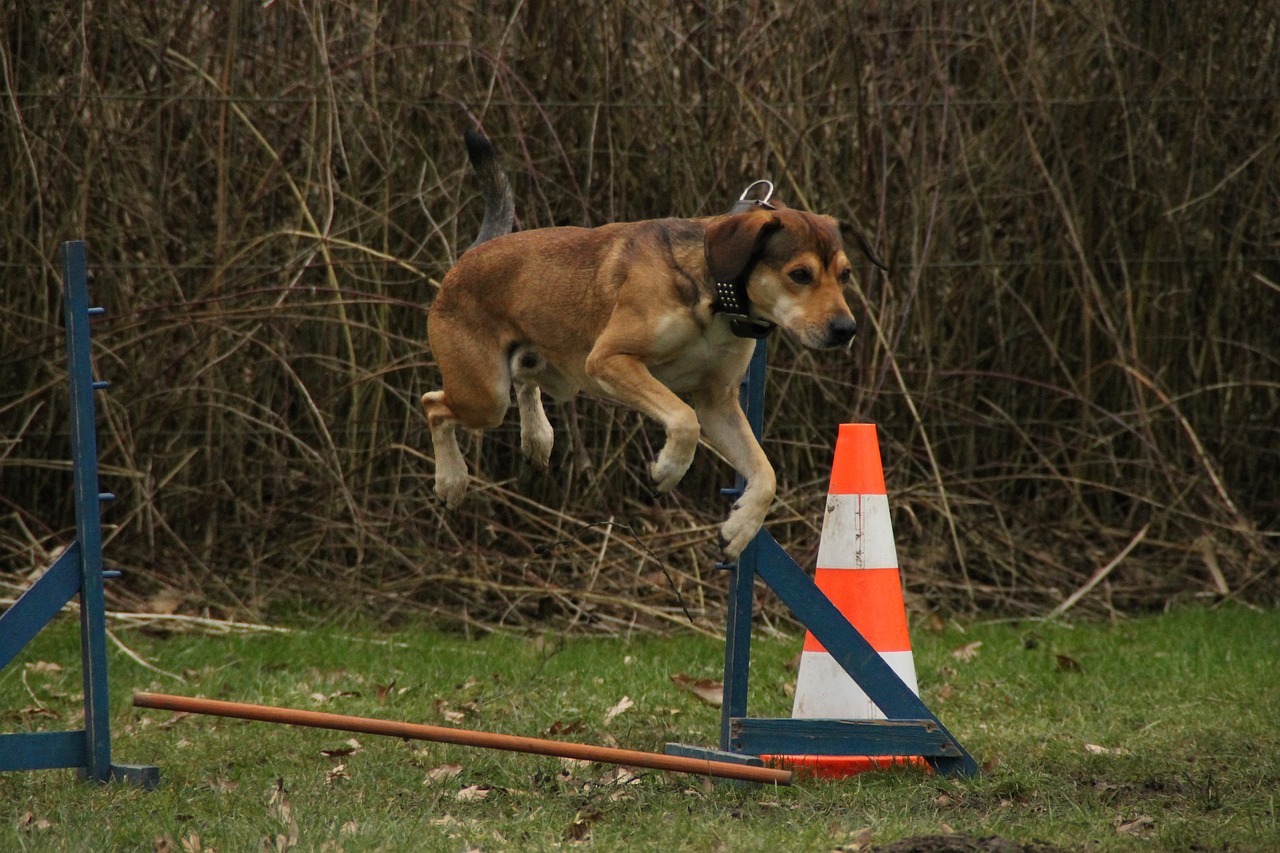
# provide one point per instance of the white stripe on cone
(857, 533)
(825, 691)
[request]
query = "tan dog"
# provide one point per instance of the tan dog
(635, 312)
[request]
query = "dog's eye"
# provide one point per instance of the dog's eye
(846, 275)
(801, 275)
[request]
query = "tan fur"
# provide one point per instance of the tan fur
(624, 311)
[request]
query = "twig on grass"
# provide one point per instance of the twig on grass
(140, 660)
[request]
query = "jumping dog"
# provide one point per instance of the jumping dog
(650, 314)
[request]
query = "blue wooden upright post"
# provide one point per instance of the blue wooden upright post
(79, 570)
(742, 575)
(84, 469)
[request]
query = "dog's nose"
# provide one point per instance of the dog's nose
(840, 331)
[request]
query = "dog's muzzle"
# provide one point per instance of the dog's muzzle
(841, 332)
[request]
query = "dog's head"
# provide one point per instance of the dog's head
(795, 269)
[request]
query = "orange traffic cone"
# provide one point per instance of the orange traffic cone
(858, 571)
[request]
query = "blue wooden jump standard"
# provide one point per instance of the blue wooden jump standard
(78, 571)
(910, 730)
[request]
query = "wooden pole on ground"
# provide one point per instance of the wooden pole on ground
(465, 737)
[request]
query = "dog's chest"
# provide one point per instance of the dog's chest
(705, 361)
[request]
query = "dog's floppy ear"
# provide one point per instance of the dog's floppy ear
(732, 242)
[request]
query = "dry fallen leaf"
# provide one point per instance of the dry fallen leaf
(968, 651)
(621, 776)
(1137, 826)
(580, 828)
(572, 727)
(444, 771)
(336, 774)
(29, 821)
(193, 844)
(450, 714)
(856, 841)
(178, 716)
(42, 666)
(705, 689)
(383, 691)
(1104, 750)
(623, 704)
(472, 792)
(223, 785)
(1067, 664)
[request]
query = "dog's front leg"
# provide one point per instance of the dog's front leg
(725, 427)
(627, 380)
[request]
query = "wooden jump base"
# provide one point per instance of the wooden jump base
(465, 737)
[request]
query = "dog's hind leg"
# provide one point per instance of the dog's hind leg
(477, 392)
(530, 372)
(536, 435)
(451, 468)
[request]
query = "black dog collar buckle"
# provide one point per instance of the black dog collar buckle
(729, 304)
(750, 327)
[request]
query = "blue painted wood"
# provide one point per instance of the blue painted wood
(78, 571)
(737, 645)
(39, 604)
(787, 736)
(42, 750)
(686, 751)
(912, 728)
(84, 457)
(742, 575)
(847, 647)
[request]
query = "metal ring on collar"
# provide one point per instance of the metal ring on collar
(761, 201)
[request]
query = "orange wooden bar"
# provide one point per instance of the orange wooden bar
(444, 734)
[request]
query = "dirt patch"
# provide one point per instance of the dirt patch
(962, 844)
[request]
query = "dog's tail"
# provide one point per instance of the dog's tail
(499, 204)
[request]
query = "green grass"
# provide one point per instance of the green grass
(1165, 726)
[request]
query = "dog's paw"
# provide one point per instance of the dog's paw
(536, 446)
(668, 468)
(451, 489)
(739, 529)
